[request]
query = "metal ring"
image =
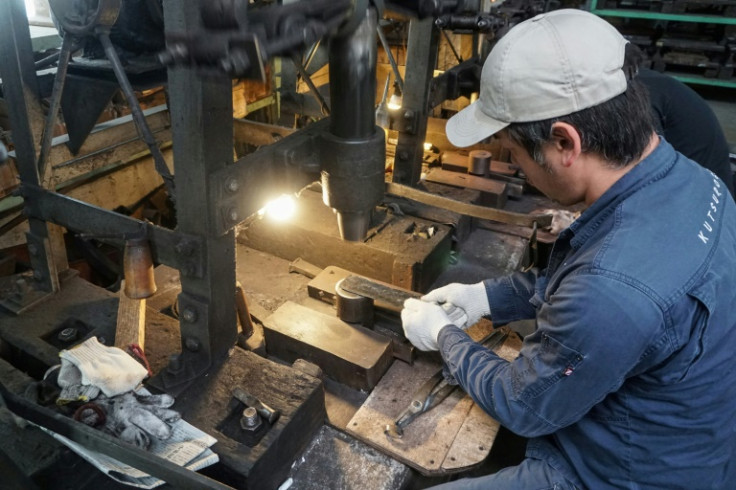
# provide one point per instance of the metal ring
(98, 410)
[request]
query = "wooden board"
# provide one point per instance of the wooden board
(455, 435)
(467, 181)
(494, 190)
(210, 405)
(391, 252)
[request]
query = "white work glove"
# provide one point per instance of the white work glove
(110, 369)
(471, 298)
(422, 322)
(69, 379)
(135, 418)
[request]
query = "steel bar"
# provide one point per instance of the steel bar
(54, 104)
(421, 61)
(173, 248)
(137, 114)
(312, 88)
(312, 52)
(452, 47)
(20, 89)
(391, 59)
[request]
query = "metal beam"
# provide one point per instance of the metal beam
(421, 59)
(201, 111)
(20, 88)
(173, 248)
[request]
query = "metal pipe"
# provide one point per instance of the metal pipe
(312, 88)
(452, 47)
(56, 91)
(138, 116)
(391, 60)
(353, 168)
(310, 56)
(353, 81)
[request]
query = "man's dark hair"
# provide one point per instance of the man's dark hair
(618, 130)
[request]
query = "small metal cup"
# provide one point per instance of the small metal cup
(479, 162)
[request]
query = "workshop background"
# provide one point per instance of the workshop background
(145, 139)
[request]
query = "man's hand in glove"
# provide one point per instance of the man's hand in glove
(471, 298)
(422, 322)
(134, 418)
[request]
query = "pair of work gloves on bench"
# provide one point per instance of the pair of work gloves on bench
(456, 304)
(105, 381)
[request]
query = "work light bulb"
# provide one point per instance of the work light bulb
(394, 102)
(280, 209)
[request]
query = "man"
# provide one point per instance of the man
(688, 123)
(628, 380)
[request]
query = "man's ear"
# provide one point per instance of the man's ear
(566, 141)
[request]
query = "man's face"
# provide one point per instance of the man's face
(546, 177)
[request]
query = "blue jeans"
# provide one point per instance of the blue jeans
(531, 474)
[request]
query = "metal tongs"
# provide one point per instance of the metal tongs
(435, 390)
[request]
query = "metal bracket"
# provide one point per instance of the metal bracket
(195, 357)
(405, 121)
(175, 249)
(288, 165)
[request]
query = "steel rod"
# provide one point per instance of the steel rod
(391, 60)
(138, 116)
(55, 102)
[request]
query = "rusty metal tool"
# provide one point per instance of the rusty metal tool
(435, 390)
(385, 296)
(268, 413)
(431, 394)
(388, 297)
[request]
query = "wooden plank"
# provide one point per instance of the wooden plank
(257, 133)
(472, 442)
(131, 323)
(473, 210)
(468, 181)
(312, 234)
(210, 405)
(452, 437)
(304, 268)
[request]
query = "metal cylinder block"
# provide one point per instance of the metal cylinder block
(479, 162)
(354, 151)
(353, 308)
(353, 180)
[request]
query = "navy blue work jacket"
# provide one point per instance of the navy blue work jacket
(629, 380)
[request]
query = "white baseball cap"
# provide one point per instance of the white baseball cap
(551, 65)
